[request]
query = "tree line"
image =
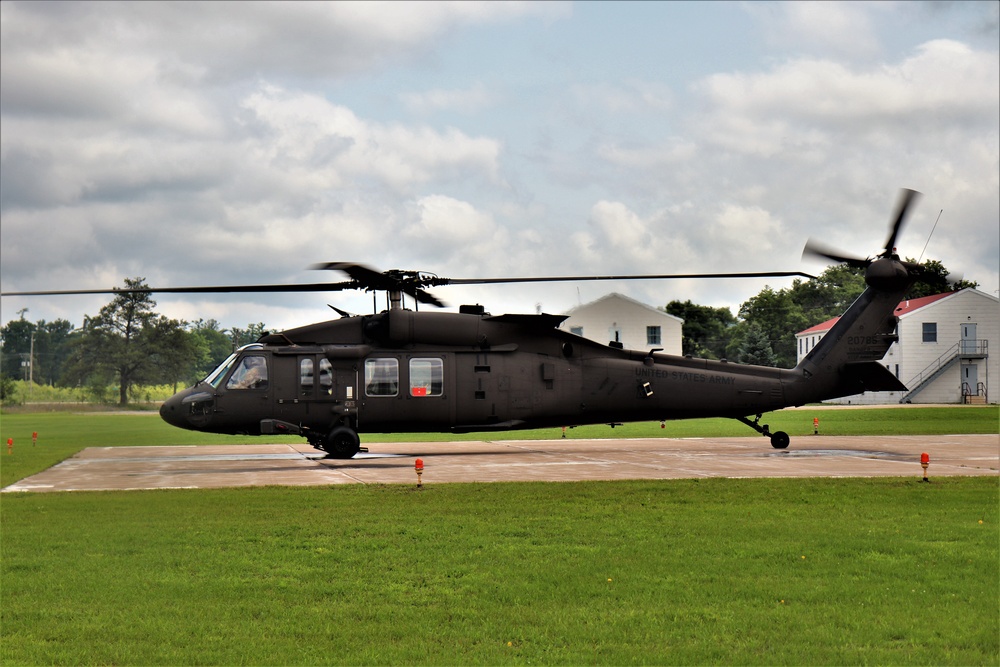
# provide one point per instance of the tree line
(763, 331)
(128, 345)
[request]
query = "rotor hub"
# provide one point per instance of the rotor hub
(887, 275)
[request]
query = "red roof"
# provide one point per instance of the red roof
(903, 308)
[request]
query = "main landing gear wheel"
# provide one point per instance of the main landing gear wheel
(342, 443)
(780, 440)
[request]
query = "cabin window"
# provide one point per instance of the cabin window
(652, 335)
(306, 377)
(930, 332)
(250, 373)
(325, 377)
(381, 377)
(576, 331)
(426, 377)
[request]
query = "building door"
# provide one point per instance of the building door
(969, 339)
(615, 333)
(970, 379)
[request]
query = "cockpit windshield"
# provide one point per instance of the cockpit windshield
(215, 377)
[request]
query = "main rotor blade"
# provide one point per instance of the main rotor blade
(407, 282)
(423, 296)
(817, 249)
(661, 276)
(215, 289)
(906, 198)
(359, 272)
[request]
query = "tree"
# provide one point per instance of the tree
(249, 335)
(778, 318)
(935, 281)
(212, 346)
(16, 347)
(130, 343)
(783, 313)
(756, 348)
(830, 294)
(706, 330)
(40, 347)
(173, 352)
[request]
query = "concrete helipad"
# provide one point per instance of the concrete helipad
(117, 468)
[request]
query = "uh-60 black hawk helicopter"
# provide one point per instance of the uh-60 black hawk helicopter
(417, 371)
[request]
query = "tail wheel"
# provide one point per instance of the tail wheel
(780, 440)
(342, 443)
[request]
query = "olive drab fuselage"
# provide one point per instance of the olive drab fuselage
(406, 371)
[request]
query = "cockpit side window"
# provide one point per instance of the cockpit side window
(215, 377)
(250, 373)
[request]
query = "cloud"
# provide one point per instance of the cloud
(468, 100)
(942, 75)
(191, 143)
(220, 44)
(626, 96)
(841, 29)
(317, 144)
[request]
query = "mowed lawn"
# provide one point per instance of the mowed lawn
(823, 571)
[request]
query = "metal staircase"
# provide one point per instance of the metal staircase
(964, 349)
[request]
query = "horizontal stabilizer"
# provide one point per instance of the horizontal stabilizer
(871, 376)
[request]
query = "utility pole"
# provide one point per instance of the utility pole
(31, 366)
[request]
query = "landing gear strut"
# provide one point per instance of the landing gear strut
(779, 439)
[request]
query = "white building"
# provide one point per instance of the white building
(617, 319)
(943, 351)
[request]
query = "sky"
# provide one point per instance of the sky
(200, 143)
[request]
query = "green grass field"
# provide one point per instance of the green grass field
(62, 434)
(820, 571)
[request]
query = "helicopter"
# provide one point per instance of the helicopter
(403, 370)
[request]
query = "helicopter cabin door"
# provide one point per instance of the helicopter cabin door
(309, 389)
(411, 392)
(429, 394)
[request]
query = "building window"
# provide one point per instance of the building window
(652, 335)
(930, 332)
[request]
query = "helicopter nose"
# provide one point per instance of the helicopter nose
(192, 408)
(171, 410)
